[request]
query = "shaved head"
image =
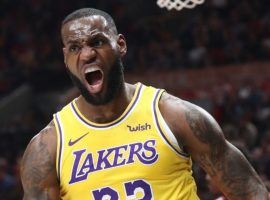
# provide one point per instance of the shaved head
(87, 12)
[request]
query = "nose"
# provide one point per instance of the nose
(88, 54)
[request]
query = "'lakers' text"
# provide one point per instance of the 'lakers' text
(84, 162)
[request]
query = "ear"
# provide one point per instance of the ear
(122, 45)
(65, 55)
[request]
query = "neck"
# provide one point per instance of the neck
(110, 111)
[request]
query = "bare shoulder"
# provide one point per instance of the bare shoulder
(179, 106)
(38, 172)
(186, 119)
(172, 109)
(46, 140)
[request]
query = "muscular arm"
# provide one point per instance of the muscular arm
(38, 172)
(202, 136)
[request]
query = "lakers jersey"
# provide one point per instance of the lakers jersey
(133, 157)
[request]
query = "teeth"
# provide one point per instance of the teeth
(88, 70)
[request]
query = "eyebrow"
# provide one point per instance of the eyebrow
(94, 35)
(72, 41)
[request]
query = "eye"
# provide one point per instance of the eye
(98, 42)
(74, 48)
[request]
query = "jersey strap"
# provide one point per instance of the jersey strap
(163, 127)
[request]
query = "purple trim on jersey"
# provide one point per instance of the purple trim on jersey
(60, 148)
(106, 126)
(159, 128)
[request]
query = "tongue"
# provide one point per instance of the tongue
(94, 78)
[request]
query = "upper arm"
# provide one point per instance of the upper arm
(203, 138)
(38, 172)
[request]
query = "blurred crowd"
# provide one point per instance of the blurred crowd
(217, 33)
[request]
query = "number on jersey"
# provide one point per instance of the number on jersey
(135, 190)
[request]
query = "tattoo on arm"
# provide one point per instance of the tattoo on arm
(223, 161)
(206, 133)
(37, 165)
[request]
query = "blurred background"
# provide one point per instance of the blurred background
(216, 55)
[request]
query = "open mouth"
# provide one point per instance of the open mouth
(94, 77)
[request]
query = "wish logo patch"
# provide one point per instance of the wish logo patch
(139, 127)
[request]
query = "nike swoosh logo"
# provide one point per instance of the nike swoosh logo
(71, 143)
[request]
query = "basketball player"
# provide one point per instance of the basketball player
(123, 141)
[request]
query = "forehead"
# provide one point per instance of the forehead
(84, 27)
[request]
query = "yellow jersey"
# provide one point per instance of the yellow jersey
(133, 157)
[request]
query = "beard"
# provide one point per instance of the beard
(113, 87)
